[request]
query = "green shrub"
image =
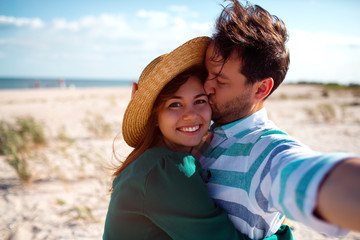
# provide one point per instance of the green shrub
(97, 125)
(19, 162)
(31, 130)
(18, 138)
(62, 136)
(322, 113)
(327, 112)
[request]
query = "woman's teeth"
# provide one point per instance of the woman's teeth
(189, 129)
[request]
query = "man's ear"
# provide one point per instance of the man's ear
(263, 88)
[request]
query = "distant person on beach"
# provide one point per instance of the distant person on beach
(258, 173)
(61, 83)
(158, 192)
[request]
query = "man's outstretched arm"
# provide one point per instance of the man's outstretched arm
(339, 195)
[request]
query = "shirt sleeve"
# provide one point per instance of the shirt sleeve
(177, 200)
(297, 178)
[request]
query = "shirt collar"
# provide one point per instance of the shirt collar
(258, 118)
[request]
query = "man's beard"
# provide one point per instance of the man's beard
(232, 110)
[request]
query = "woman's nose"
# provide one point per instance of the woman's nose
(189, 113)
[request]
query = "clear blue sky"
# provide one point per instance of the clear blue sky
(113, 39)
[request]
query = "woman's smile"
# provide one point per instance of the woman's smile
(189, 129)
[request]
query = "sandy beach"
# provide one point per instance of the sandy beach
(68, 192)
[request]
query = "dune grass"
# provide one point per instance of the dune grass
(98, 126)
(17, 139)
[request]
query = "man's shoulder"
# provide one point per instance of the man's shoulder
(259, 131)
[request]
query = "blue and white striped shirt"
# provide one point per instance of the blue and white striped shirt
(259, 174)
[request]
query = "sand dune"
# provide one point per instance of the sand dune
(68, 195)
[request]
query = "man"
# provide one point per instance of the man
(258, 173)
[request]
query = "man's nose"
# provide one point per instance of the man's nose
(209, 86)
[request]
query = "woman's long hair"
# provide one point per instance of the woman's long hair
(153, 136)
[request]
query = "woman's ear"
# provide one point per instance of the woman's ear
(263, 88)
(134, 88)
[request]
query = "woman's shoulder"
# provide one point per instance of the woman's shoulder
(154, 157)
(163, 152)
(156, 152)
(167, 160)
(159, 159)
(149, 160)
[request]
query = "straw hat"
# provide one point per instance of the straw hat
(153, 79)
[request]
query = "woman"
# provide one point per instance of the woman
(158, 192)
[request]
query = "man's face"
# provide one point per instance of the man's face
(230, 97)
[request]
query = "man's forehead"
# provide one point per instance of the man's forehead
(213, 55)
(215, 62)
(214, 59)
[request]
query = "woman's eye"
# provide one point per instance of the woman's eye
(200, 101)
(174, 105)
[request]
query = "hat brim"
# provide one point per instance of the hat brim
(155, 76)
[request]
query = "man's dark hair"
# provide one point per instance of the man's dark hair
(258, 38)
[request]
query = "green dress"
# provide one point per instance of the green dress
(161, 195)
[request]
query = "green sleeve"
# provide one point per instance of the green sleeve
(177, 201)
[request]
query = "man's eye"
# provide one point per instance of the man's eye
(220, 83)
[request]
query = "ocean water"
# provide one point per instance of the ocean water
(28, 83)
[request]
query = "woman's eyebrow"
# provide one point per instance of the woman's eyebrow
(197, 96)
(175, 97)
(201, 95)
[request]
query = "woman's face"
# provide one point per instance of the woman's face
(185, 117)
